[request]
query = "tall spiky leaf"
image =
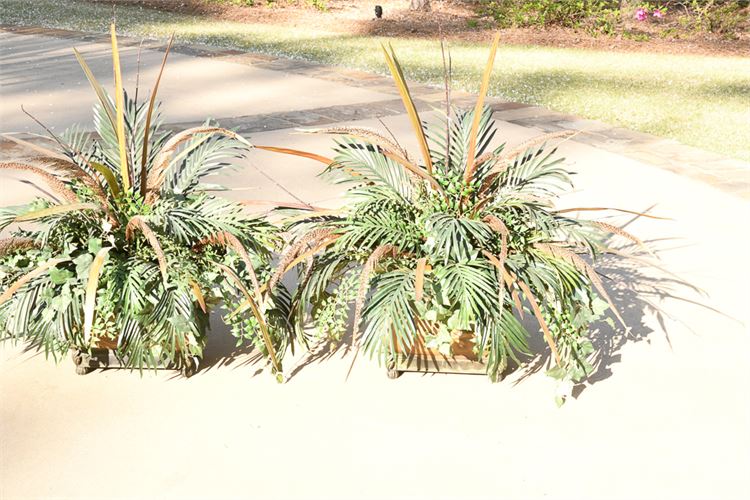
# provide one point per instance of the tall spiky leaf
(411, 109)
(149, 114)
(98, 89)
(470, 157)
(89, 305)
(120, 112)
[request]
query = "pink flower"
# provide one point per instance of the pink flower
(658, 14)
(641, 14)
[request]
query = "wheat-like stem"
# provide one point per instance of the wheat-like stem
(57, 186)
(364, 281)
(8, 245)
(229, 240)
(499, 226)
(368, 135)
(293, 251)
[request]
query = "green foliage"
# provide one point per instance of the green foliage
(595, 16)
(140, 273)
(456, 248)
(725, 17)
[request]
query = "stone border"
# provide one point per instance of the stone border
(727, 174)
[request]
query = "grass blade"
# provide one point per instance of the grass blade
(198, 295)
(120, 111)
(471, 154)
(296, 152)
(56, 210)
(419, 279)
(89, 305)
(411, 110)
(98, 90)
(109, 177)
(149, 113)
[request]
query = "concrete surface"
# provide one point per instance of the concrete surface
(666, 416)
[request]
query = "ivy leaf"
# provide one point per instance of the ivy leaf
(95, 244)
(83, 263)
(59, 276)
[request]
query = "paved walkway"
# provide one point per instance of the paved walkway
(665, 417)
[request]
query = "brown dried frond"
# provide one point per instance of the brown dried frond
(139, 223)
(585, 268)
(229, 240)
(505, 159)
(364, 280)
(164, 157)
(367, 135)
(8, 245)
(293, 251)
(57, 186)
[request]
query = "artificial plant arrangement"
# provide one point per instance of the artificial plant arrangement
(463, 240)
(136, 250)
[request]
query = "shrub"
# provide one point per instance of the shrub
(137, 250)
(452, 242)
(596, 16)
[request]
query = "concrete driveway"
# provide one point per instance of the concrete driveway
(666, 416)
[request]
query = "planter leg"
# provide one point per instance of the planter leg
(391, 369)
(189, 366)
(83, 361)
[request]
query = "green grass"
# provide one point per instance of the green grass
(701, 101)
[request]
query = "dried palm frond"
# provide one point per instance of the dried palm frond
(163, 158)
(364, 281)
(585, 268)
(296, 152)
(8, 245)
(57, 186)
(226, 239)
(139, 223)
(36, 147)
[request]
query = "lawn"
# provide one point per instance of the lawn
(698, 100)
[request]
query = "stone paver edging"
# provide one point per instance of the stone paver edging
(729, 175)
